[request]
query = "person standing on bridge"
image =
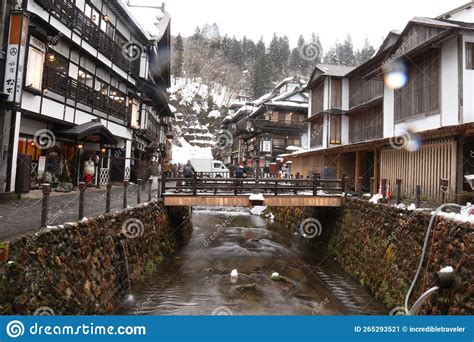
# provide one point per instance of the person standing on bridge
(188, 170)
(240, 173)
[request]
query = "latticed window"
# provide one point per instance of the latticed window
(317, 131)
(470, 56)
(421, 95)
(335, 126)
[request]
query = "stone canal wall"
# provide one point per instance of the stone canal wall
(82, 268)
(380, 245)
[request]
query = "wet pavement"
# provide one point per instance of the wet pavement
(196, 281)
(24, 216)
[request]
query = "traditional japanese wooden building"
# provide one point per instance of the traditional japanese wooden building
(407, 113)
(83, 81)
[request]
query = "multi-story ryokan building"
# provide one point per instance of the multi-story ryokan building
(83, 81)
(406, 113)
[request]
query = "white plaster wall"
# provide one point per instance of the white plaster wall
(52, 109)
(327, 87)
(468, 84)
(345, 94)
(466, 16)
(449, 83)
(326, 131)
(304, 140)
(345, 130)
(30, 101)
(419, 125)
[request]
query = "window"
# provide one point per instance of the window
(34, 74)
(317, 99)
(86, 78)
(336, 93)
(470, 56)
(421, 95)
(335, 125)
(317, 130)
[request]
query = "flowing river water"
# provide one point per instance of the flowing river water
(197, 281)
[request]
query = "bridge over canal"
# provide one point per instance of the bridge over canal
(245, 192)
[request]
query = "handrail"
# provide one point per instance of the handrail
(197, 185)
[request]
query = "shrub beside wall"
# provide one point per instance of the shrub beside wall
(80, 268)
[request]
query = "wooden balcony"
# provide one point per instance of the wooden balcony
(71, 16)
(72, 89)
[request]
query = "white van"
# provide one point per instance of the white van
(210, 168)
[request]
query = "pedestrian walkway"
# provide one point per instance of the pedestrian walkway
(24, 216)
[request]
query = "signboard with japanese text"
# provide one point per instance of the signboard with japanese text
(267, 145)
(15, 61)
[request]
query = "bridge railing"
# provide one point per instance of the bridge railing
(203, 184)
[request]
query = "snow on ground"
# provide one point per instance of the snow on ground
(463, 216)
(190, 89)
(376, 198)
(181, 154)
(258, 210)
(214, 114)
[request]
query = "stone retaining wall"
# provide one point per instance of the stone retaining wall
(80, 268)
(380, 245)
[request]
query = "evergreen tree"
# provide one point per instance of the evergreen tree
(274, 54)
(262, 71)
(236, 55)
(178, 62)
(197, 34)
(365, 53)
(315, 41)
(347, 52)
(284, 51)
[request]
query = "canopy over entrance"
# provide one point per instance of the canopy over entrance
(93, 131)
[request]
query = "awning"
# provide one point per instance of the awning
(153, 92)
(92, 131)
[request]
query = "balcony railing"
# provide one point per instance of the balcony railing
(71, 16)
(71, 88)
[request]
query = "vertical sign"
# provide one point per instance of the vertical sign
(15, 63)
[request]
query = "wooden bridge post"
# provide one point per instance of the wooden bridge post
(372, 180)
(384, 190)
(125, 188)
(360, 186)
(316, 183)
(150, 182)
(45, 205)
(276, 187)
(107, 197)
(399, 191)
(344, 184)
(163, 184)
(236, 183)
(444, 183)
(194, 183)
(82, 190)
(418, 196)
(139, 190)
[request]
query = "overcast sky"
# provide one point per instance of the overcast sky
(331, 19)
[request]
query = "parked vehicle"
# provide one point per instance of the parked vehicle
(210, 168)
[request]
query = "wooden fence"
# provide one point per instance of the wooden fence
(434, 160)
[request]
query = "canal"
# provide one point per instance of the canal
(197, 279)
